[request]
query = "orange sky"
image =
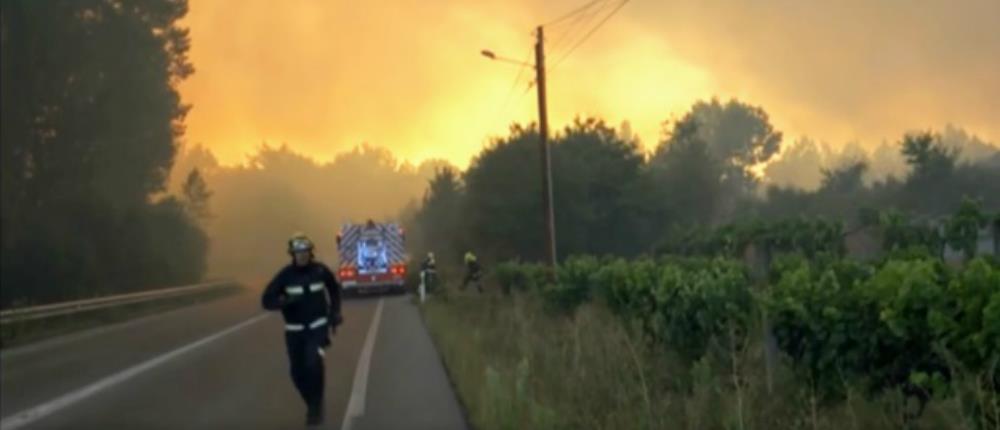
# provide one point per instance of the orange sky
(326, 75)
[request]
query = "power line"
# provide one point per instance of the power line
(569, 30)
(589, 33)
(573, 12)
(517, 79)
(581, 18)
(581, 21)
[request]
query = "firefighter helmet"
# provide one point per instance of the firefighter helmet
(299, 242)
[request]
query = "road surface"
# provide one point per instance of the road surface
(222, 365)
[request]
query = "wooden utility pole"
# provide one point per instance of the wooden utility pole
(543, 132)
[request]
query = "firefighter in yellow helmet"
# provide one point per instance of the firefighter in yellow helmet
(473, 271)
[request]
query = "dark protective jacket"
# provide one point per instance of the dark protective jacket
(428, 265)
(473, 267)
(301, 293)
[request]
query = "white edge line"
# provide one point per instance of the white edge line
(359, 388)
(36, 413)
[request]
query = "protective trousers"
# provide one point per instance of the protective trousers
(305, 355)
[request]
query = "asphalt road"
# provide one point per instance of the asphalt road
(222, 365)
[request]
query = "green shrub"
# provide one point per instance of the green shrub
(575, 286)
(696, 306)
(822, 322)
(521, 276)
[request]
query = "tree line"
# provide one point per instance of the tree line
(611, 198)
(91, 118)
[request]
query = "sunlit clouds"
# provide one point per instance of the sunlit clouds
(325, 76)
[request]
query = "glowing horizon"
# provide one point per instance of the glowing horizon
(324, 77)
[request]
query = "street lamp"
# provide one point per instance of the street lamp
(493, 56)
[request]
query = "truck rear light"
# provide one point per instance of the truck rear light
(347, 273)
(398, 270)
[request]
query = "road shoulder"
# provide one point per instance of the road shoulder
(408, 387)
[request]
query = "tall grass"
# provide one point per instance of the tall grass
(517, 365)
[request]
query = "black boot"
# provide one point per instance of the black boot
(314, 416)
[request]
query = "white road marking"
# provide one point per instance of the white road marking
(76, 337)
(36, 413)
(359, 388)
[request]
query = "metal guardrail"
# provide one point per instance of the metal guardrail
(66, 308)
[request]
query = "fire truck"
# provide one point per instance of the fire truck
(372, 257)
